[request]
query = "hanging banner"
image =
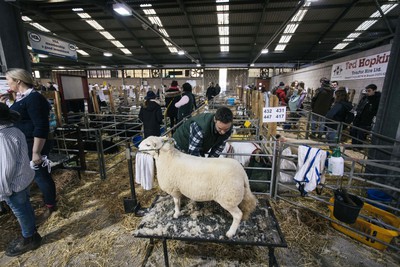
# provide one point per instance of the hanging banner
(361, 68)
(43, 44)
(276, 114)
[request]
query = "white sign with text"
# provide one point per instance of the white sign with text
(47, 45)
(361, 68)
(277, 114)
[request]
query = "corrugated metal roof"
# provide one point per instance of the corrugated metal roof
(193, 25)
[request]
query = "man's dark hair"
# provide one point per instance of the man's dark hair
(335, 82)
(224, 115)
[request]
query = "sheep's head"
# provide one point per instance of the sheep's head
(152, 144)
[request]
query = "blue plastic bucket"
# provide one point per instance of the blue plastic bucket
(231, 101)
(379, 196)
(136, 140)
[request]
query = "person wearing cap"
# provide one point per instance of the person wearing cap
(172, 95)
(205, 133)
(34, 110)
(320, 104)
(187, 103)
(365, 112)
(16, 176)
(151, 115)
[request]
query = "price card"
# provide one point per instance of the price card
(276, 114)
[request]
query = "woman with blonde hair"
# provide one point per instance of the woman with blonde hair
(34, 110)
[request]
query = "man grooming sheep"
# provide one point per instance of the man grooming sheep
(204, 133)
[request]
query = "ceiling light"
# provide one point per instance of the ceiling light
(126, 51)
(252, 65)
(149, 66)
(77, 9)
(264, 51)
(107, 54)
(103, 67)
(43, 56)
(107, 35)
(122, 9)
(117, 44)
(61, 67)
(83, 53)
(198, 65)
(181, 52)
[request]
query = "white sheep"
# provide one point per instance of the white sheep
(201, 179)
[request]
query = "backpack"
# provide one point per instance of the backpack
(294, 102)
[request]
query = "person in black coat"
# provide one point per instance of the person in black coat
(365, 112)
(172, 96)
(151, 116)
(320, 104)
(337, 113)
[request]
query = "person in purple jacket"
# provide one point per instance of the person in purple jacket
(34, 110)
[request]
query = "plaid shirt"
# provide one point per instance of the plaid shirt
(196, 142)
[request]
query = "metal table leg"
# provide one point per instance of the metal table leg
(166, 261)
(272, 259)
(148, 251)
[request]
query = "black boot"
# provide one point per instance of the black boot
(23, 244)
(4, 208)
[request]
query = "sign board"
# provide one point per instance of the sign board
(361, 68)
(47, 45)
(276, 114)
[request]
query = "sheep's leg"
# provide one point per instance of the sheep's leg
(177, 201)
(237, 217)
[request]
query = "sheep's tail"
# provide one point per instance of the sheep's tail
(249, 201)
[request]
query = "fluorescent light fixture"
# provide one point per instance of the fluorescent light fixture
(107, 35)
(181, 52)
(122, 9)
(117, 44)
(292, 26)
(252, 65)
(84, 15)
(61, 67)
(145, 5)
(25, 18)
(77, 9)
(83, 53)
(222, 1)
(223, 30)
(107, 54)
(224, 48)
(94, 24)
(280, 47)
(264, 51)
(149, 66)
(198, 65)
(224, 40)
(43, 56)
(365, 25)
(103, 67)
(126, 51)
(40, 27)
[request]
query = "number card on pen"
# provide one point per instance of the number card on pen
(277, 114)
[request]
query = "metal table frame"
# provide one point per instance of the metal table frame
(271, 246)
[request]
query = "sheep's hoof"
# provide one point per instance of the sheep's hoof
(176, 215)
(230, 234)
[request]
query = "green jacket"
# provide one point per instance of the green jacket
(211, 139)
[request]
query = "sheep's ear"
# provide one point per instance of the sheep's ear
(164, 138)
(171, 140)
